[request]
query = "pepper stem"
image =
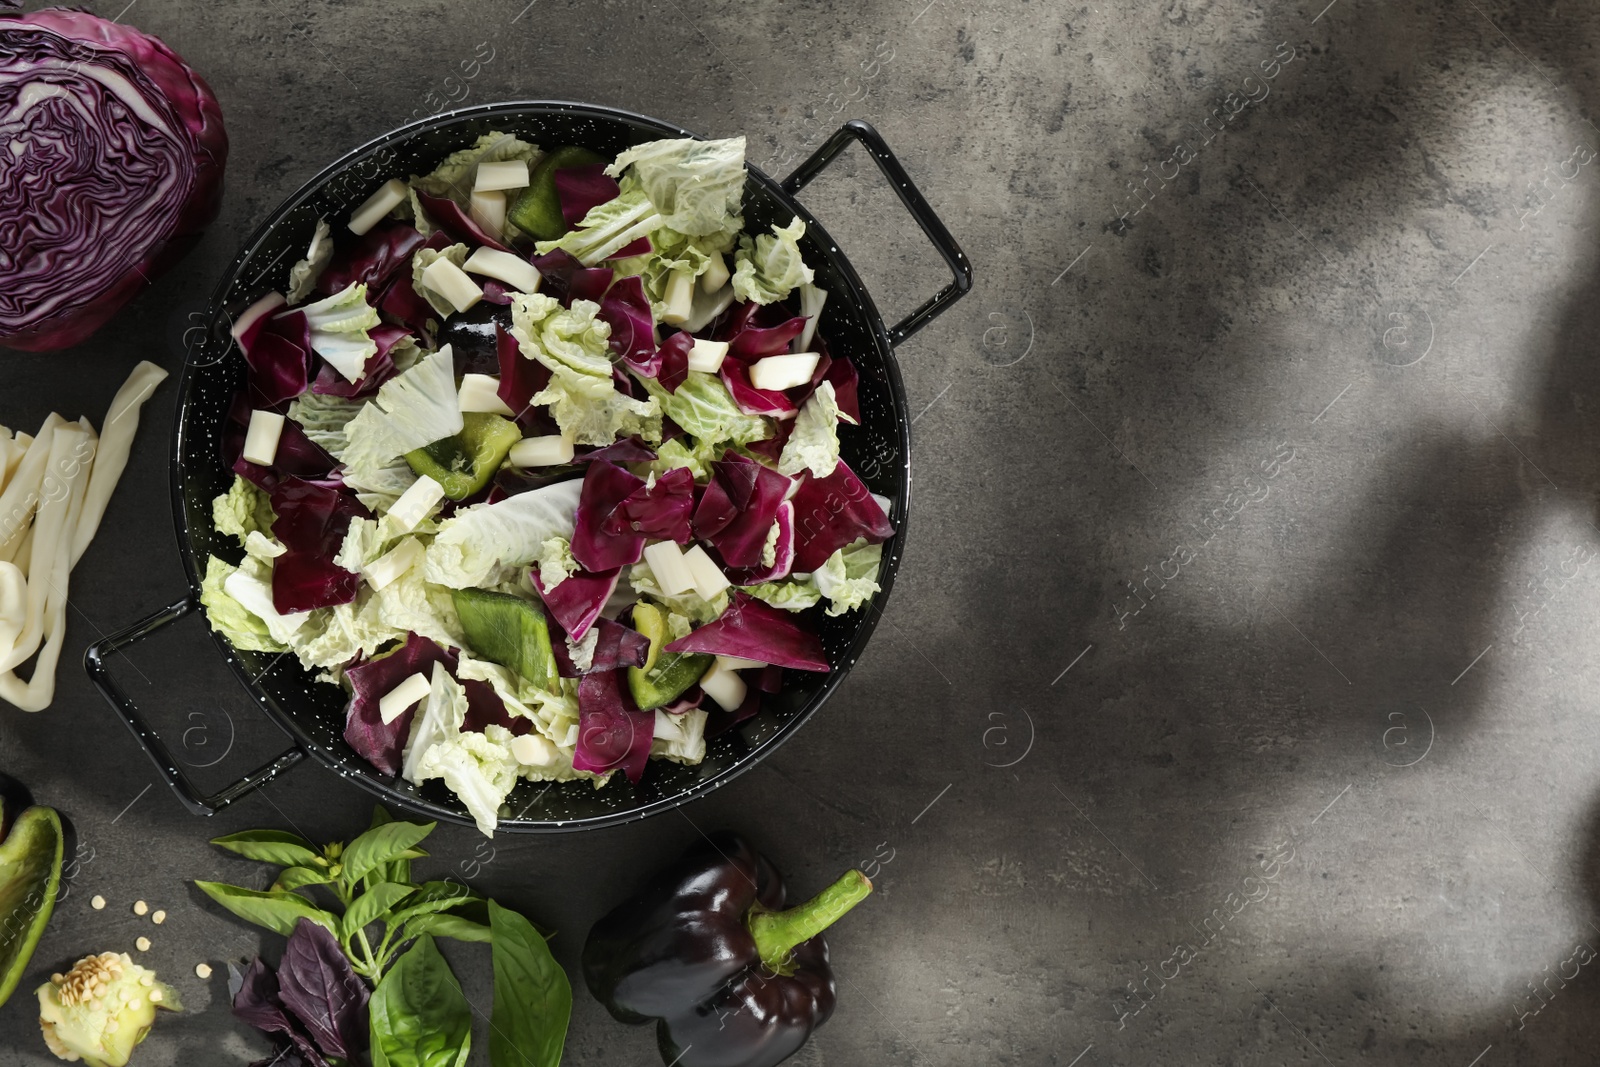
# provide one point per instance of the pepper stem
(778, 932)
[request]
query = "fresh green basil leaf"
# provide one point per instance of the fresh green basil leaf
(380, 845)
(277, 912)
(532, 998)
(418, 1014)
(300, 877)
(373, 905)
(396, 870)
(443, 924)
(270, 846)
(433, 897)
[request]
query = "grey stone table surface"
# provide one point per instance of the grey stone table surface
(1234, 703)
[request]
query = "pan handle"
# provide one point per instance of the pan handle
(900, 181)
(94, 662)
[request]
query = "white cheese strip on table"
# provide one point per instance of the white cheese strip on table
(21, 496)
(394, 703)
(13, 603)
(116, 443)
(481, 393)
(50, 567)
(390, 195)
(505, 267)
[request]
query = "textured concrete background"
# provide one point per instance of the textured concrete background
(1234, 706)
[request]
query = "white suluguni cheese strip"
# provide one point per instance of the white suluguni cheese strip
(390, 195)
(724, 686)
(708, 577)
(707, 355)
(544, 451)
(504, 174)
(534, 750)
(261, 440)
(382, 572)
(679, 298)
(416, 504)
(667, 564)
(783, 372)
(488, 210)
(716, 275)
(505, 267)
(481, 393)
(452, 283)
(394, 703)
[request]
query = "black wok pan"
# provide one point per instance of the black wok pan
(312, 713)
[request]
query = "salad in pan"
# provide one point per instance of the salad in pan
(537, 457)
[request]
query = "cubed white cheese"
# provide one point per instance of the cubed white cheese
(390, 195)
(724, 686)
(481, 392)
(716, 275)
(488, 210)
(541, 451)
(382, 572)
(707, 355)
(508, 174)
(416, 504)
(504, 266)
(783, 372)
(261, 439)
(737, 663)
(679, 297)
(667, 564)
(394, 703)
(708, 577)
(452, 283)
(534, 750)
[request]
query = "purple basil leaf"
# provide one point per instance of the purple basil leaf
(751, 629)
(257, 1003)
(832, 512)
(317, 984)
(613, 734)
(581, 188)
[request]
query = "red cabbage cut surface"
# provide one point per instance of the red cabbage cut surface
(457, 223)
(752, 629)
(613, 734)
(577, 601)
(633, 326)
(783, 558)
(738, 507)
(832, 512)
(371, 259)
(582, 188)
(114, 161)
